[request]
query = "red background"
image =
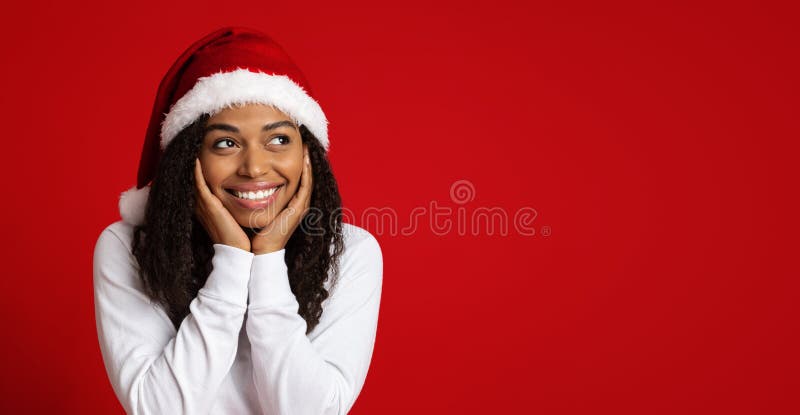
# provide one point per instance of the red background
(656, 142)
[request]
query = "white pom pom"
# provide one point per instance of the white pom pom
(132, 203)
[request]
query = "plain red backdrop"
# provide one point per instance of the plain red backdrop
(656, 143)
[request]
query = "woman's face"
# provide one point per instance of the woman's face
(252, 159)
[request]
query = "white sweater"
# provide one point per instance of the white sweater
(243, 349)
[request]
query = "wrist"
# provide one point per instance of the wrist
(241, 246)
(236, 246)
(263, 250)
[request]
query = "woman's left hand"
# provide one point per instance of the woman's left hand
(274, 236)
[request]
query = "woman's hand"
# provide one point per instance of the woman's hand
(274, 236)
(218, 222)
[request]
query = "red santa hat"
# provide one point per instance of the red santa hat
(227, 67)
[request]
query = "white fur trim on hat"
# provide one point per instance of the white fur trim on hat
(132, 203)
(212, 94)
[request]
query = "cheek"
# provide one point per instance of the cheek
(291, 169)
(214, 171)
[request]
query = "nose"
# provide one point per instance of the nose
(255, 162)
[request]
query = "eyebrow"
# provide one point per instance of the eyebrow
(268, 127)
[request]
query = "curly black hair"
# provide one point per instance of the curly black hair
(174, 250)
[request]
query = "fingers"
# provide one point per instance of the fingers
(289, 218)
(215, 218)
(304, 192)
(200, 181)
(198, 177)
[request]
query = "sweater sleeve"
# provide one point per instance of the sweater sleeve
(323, 373)
(153, 368)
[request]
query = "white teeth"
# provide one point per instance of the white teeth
(261, 194)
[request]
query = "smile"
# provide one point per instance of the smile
(259, 195)
(251, 200)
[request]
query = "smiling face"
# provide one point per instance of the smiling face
(252, 159)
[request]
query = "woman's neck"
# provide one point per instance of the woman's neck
(250, 232)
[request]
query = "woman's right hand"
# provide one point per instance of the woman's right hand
(218, 222)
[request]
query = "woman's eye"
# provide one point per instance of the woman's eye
(226, 143)
(280, 140)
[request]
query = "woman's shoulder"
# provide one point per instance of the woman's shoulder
(113, 248)
(362, 258)
(114, 264)
(359, 242)
(119, 233)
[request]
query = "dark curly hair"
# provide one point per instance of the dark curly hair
(174, 250)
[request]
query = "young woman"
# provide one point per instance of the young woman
(231, 286)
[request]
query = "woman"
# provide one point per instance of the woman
(231, 286)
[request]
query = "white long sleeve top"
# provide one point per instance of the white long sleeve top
(243, 347)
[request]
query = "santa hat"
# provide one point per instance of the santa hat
(229, 66)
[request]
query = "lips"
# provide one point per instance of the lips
(254, 186)
(256, 195)
(255, 199)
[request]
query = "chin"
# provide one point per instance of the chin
(254, 225)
